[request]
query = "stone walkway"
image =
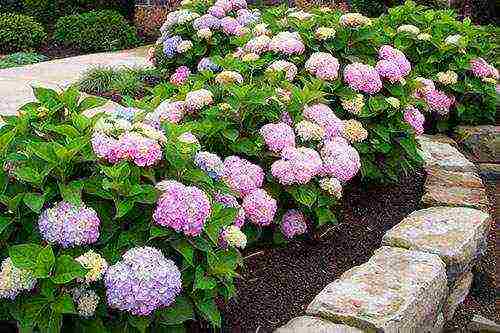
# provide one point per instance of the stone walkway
(15, 83)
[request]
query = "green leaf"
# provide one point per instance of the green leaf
(325, 216)
(185, 249)
(43, 150)
(223, 262)
(5, 140)
(66, 130)
(29, 310)
(44, 262)
(80, 122)
(203, 282)
(67, 269)
(34, 201)
(123, 207)
(160, 232)
(91, 102)
(176, 314)
(29, 175)
(209, 310)
(46, 96)
(140, 322)
(72, 192)
(221, 217)
(25, 255)
(4, 223)
(64, 304)
(305, 195)
(231, 134)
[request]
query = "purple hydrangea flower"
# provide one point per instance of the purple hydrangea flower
(340, 159)
(293, 223)
(363, 78)
(415, 119)
(438, 101)
(322, 115)
(242, 176)
(206, 64)
(206, 21)
(143, 281)
(297, 166)
(278, 136)
(323, 65)
(259, 207)
(210, 163)
(482, 69)
(170, 46)
(180, 76)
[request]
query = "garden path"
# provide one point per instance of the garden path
(15, 83)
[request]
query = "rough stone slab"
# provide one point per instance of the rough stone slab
(439, 154)
(395, 289)
(308, 324)
(455, 234)
(481, 142)
(441, 177)
(456, 197)
(441, 138)
(457, 295)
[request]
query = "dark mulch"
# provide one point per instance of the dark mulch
(277, 284)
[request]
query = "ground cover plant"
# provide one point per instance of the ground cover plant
(134, 219)
(21, 59)
(20, 33)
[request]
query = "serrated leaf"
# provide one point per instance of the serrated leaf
(203, 282)
(25, 255)
(185, 249)
(64, 304)
(176, 314)
(67, 269)
(34, 201)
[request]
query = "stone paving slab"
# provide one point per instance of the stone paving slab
(395, 289)
(15, 83)
(437, 153)
(308, 324)
(455, 234)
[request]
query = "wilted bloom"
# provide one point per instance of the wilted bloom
(210, 163)
(353, 105)
(415, 119)
(332, 186)
(227, 77)
(480, 68)
(448, 77)
(307, 130)
(94, 263)
(287, 67)
(241, 176)
(259, 207)
(393, 101)
(409, 28)
(362, 78)
(296, 166)
(233, 236)
(324, 33)
(323, 65)
(68, 225)
(205, 33)
(424, 36)
(287, 43)
(438, 101)
(183, 208)
(230, 201)
(197, 99)
(143, 281)
(278, 136)
(180, 76)
(14, 280)
(86, 301)
(354, 20)
(322, 115)
(293, 223)
(206, 64)
(184, 46)
(340, 159)
(453, 40)
(354, 131)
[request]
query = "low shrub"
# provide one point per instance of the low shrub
(20, 32)
(21, 59)
(95, 31)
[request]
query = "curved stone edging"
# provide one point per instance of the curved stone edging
(420, 275)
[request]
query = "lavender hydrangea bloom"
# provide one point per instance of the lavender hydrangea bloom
(322, 115)
(259, 207)
(340, 159)
(230, 201)
(242, 176)
(142, 282)
(170, 46)
(206, 21)
(293, 223)
(206, 64)
(183, 208)
(69, 225)
(14, 280)
(210, 163)
(278, 136)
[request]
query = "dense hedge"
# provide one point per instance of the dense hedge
(96, 31)
(19, 32)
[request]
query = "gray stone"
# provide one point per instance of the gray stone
(395, 289)
(437, 153)
(308, 324)
(481, 324)
(458, 292)
(455, 234)
(482, 143)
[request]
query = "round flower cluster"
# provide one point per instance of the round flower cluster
(354, 20)
(86, 301)
(415, 119)
(438, 101)
(132, 146)
(480, 68)
(409, 28)
(362, 78)
(183, 208)
(340, 159)
(393, 64)
(184, 46)
(332, 186)
(170, 46)
(278, 136)
(287, 43)
(197, 99)
(293, 223)
(448, 77)
(422, 87)
(204, 33)
(258, 45)
(308, 131)
(180, 76)
(206, 21)
(241, 176)
(323, 65)
(322, 115)
(233, 236)
(94, 263)
(206, 64)
(231, 26)
(284, 66)
(142, 282)
(246, 17)
(188, 138)
(173, 112)
(296, 166)
(210, 163)
(227, 77)
(69, 225)
(424, 36)
(353, 105)
(259, 207)
(178, 17)
(324, 33)
(230, 201)
(354, 131)
(13, 280)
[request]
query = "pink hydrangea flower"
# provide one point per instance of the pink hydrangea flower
(258, 45)
(323, 65)
(259, 207)
(180, 76)
(340, 159)
(278, 136)
(242, 176)
(284, 66)
(362, 78)
(197, 99)
(398, 59)
(217, 11)
(287, 43)
(438, 101)
(296, 166)
(322, 115)
(173, 112)
(183, 208)
(389, 70)
(293, 223)
(415, 119)
(480, 68)
(423, 86)
(231, 26)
